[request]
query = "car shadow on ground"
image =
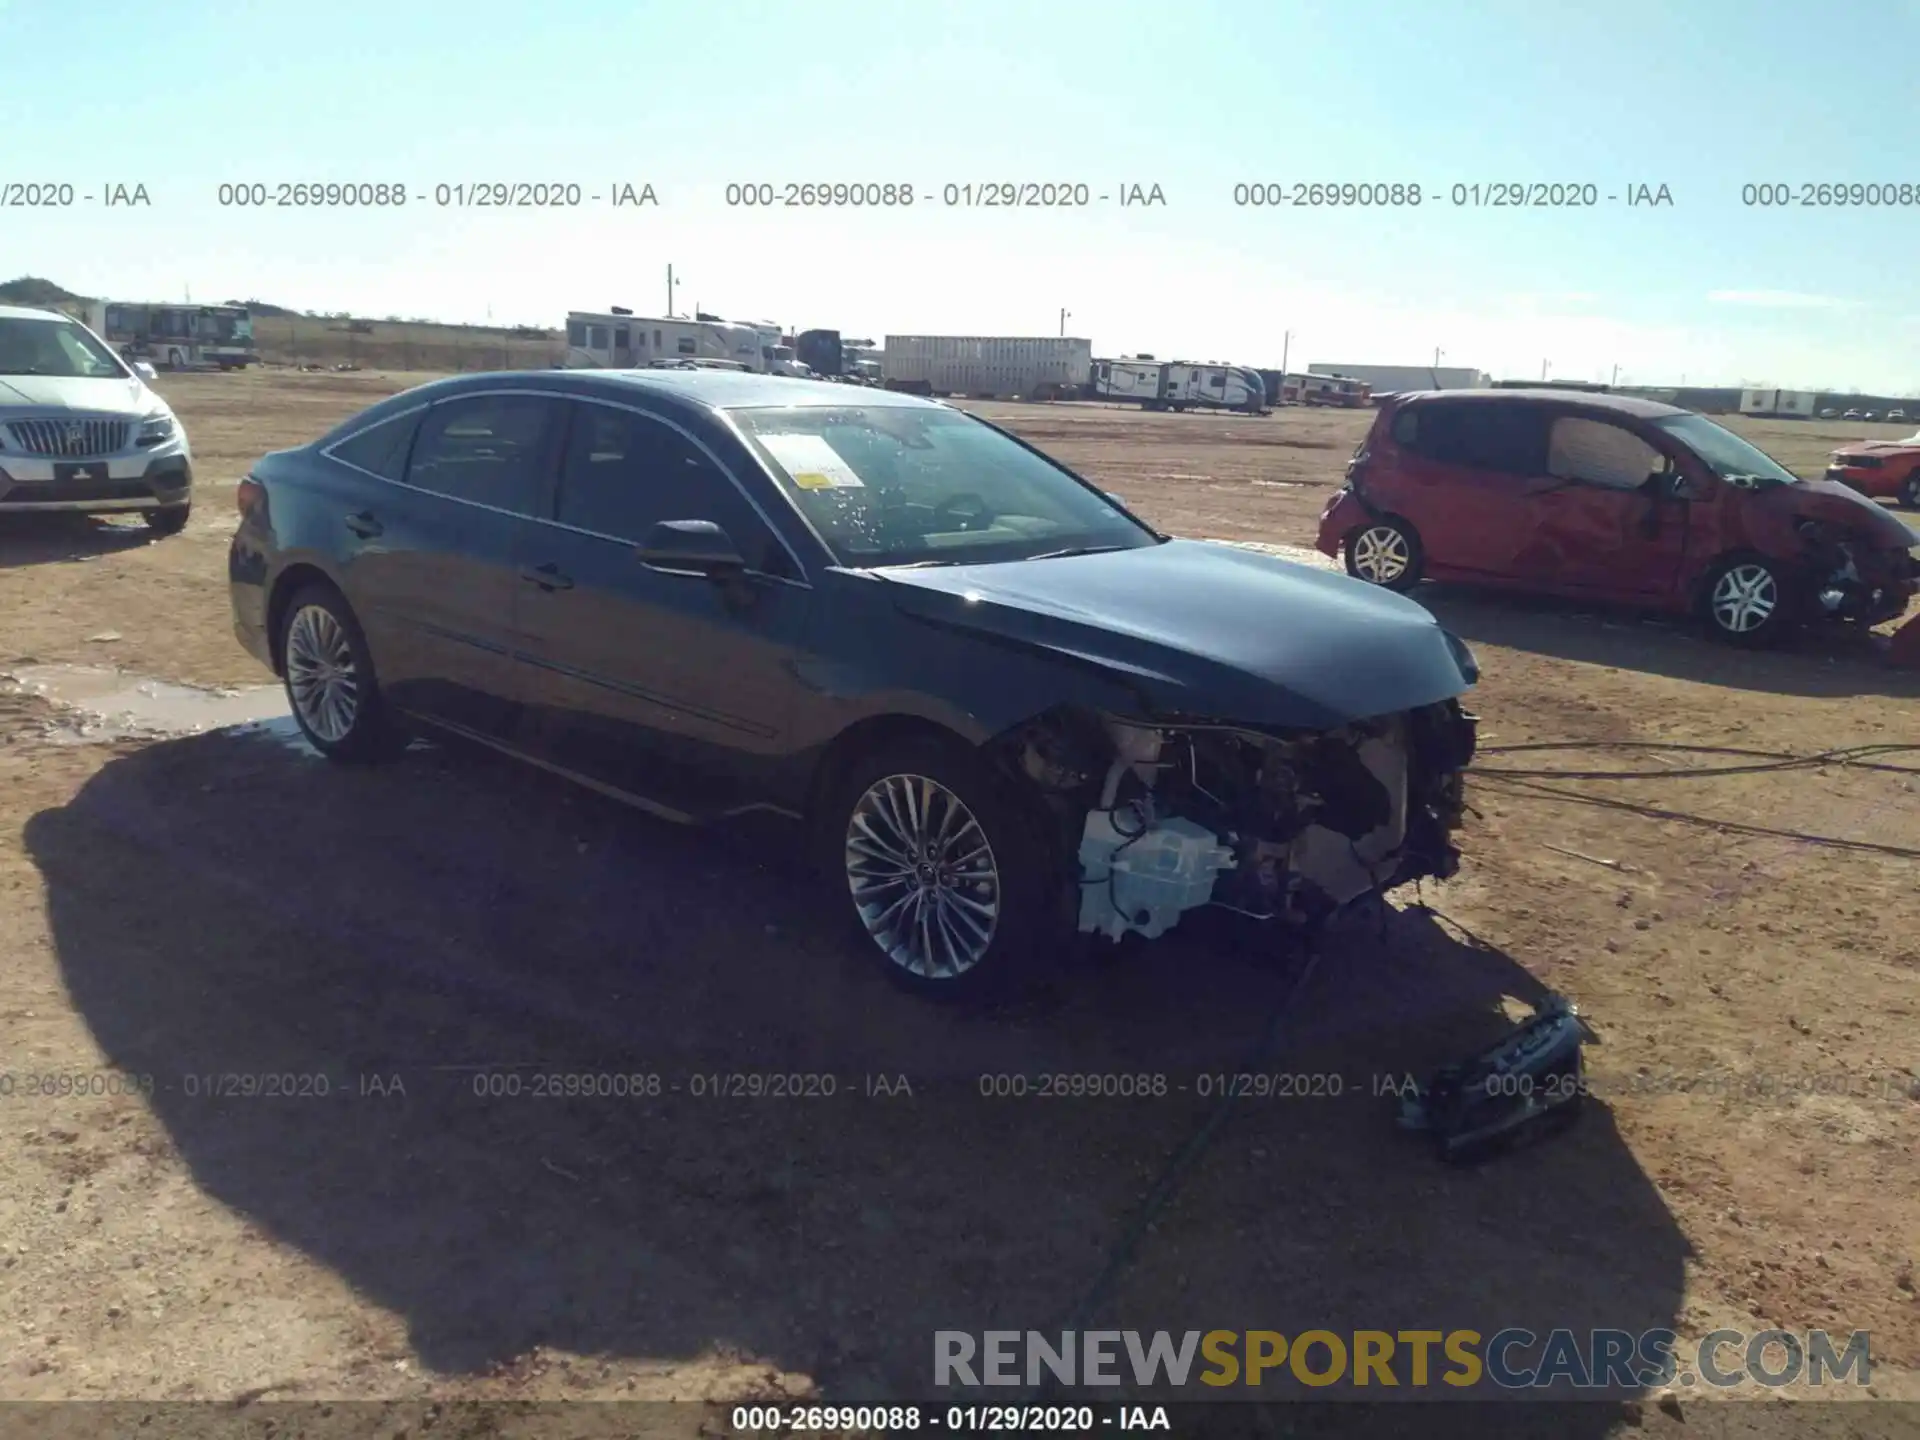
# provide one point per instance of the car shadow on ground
(223, 906)
(55, 537)
(1826, 662)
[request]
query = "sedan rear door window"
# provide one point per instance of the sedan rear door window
(487, 449)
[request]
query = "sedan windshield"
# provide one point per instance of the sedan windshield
(58, 348)
(903, 485)
(1725, 453)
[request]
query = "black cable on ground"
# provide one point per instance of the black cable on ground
(1852, 757)
(1653, 812)
(1122, 1254)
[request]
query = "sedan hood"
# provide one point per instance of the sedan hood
(1207, 631)
(1843, 505)
(124, 395)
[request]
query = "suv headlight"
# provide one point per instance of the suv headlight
(154, 429)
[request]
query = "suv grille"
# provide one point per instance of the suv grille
(71, 439)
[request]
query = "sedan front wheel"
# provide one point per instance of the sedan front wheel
(948, 876)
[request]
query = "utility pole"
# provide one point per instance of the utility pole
(1064, 313)
(1286, 340)
(1616, 376)
(1543, 369)
(670, 292)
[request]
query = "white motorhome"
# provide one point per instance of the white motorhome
(613, 340)
(1213, 387)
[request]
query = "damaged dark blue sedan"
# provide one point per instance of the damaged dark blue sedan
(1002, 707)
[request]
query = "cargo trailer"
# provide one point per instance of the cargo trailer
(988, 367)
(1778, 404)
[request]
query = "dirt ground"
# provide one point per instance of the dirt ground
(418, 939)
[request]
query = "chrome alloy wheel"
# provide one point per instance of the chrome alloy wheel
(1745, 598)
(322, 680)
(923, 876)
(1380, 555)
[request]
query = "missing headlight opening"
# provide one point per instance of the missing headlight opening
(1164, 818)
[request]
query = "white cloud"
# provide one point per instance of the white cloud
(1781, 300)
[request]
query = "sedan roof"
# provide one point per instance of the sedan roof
(743, 390)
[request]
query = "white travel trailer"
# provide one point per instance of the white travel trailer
(614, 340)
(1213, 387)
(1142, 381)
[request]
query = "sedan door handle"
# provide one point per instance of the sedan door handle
(547, 577)
(364, 525)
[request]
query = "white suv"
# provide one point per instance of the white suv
(79, 430)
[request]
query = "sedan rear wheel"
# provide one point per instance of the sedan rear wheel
(1385, 552)
(330, 682)
(1748, 602)
(949, 878)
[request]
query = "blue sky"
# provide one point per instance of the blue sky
(1192, 96)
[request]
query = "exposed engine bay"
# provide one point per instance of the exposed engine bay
(1282, 826)
(1852, 581)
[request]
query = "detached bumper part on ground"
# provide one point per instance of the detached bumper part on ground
(1527, 1085)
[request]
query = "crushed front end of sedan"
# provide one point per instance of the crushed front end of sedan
(1291, 826)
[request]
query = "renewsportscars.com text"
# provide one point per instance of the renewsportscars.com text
(1510, 1359)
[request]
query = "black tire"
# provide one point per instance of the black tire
(1033, 919)
(1736, 588)
(1385, 552)
(1910, 491)
(371, 732)
(170, 520)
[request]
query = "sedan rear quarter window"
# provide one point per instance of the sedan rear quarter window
(380, 449)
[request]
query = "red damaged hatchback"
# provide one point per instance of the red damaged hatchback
(1612, 498)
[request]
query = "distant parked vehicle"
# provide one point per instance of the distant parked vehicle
(1896, 414)
(1851, 415)
(1608, 497)
(1829, 413)
(1871, 415)
(1881, 469)
(81, 430)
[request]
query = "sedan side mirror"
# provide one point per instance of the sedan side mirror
(691, 547)
(145, 371)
